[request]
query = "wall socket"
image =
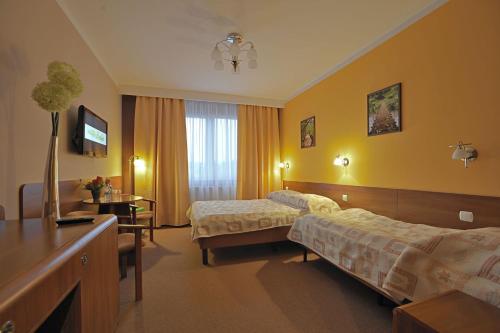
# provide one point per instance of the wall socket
(466, 216)
(345, 197)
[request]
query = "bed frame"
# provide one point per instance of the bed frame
(272, 235)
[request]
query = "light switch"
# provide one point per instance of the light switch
(345, 197)
(466, 216)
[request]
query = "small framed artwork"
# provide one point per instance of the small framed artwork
(308, 133)
(384, 110)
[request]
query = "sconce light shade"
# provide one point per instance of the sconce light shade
(341, 161)
(464, 152)
(284, 165)
(139, 164)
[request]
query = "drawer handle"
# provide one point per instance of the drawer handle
(8, 327)
(84, 259)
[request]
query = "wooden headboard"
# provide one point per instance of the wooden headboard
(432, 208)
(71, 194)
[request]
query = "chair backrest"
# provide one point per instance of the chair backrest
(71, 194)
(2, 213)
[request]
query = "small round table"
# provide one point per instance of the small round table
(118, 204)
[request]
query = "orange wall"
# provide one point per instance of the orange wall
(449, 66)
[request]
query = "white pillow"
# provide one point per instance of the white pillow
(290, 198)
(319, 204)
(313, 203)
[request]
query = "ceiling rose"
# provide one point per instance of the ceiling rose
(233, 50)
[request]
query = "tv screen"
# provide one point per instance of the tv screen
(91, 137)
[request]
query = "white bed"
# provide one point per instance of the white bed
(403, 260)
(240, 222)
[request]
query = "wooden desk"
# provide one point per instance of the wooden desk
(59, 278)
(453, 312)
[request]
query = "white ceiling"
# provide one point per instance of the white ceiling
(167, 43)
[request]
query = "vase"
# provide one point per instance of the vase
(96, 194)
(50, 197)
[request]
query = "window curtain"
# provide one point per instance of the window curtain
(258, 152)
(212, 145)
(160, 139)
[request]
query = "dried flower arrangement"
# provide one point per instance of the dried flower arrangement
(56, 94)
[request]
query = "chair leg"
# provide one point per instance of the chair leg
(151, 230)
(123, 266)
(305, 254)
(138, 265)
(204, 256)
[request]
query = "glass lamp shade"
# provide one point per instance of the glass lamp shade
(139, 165)
(459, 153)
(252, 64)
(234, 50)
(216, 54)
(219, 65)
(252, 53)
(341, 161)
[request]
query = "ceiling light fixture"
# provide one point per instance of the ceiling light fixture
(232, 49)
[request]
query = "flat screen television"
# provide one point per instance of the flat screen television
(91, 136)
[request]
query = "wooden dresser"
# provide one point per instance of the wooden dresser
(450, 312)
(56, 279)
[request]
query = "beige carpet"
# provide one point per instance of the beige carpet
(247, 289)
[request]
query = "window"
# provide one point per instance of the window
(211, 130)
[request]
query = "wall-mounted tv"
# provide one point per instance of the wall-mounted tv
(91, 137)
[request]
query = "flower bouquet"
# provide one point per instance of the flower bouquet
(95, 186)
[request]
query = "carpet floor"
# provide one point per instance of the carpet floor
(245, 289)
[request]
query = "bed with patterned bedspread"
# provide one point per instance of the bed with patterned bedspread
(211, 219)
(404, 260)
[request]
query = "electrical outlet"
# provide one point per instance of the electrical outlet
(345, 197)
(465, 216)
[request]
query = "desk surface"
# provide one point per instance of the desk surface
(114, 199)
(32, 247)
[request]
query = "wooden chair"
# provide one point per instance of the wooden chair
(148, 216)
(128, 242)
(124, 248)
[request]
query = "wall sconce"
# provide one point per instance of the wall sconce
(135, 163)
(341, 161)
(464, 152)
(284, 165)
(139, 163)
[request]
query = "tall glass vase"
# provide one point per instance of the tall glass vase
(50, 204)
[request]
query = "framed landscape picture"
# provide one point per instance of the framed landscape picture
(308, 133)
(384, 110)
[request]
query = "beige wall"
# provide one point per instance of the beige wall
(32, 34)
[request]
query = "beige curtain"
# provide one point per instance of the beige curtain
(160, 139)
(258, 152)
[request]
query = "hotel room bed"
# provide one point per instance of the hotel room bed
(403, 260)
(217, 224)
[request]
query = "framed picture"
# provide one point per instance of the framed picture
(384, 110)
(308, 133)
